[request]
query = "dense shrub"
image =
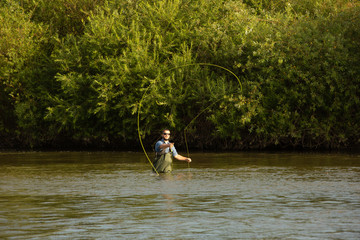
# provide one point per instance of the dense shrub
(76, 71)
(19, 48)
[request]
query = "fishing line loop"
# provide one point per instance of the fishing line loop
(152, 84)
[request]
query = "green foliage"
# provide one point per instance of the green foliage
(77, 70)
(19, 45)
(62, 17)
(305, 75)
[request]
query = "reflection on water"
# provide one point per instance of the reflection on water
(222, 196)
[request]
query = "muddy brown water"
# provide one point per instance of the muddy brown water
(115, 195)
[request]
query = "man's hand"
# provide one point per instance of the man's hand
(188, 160)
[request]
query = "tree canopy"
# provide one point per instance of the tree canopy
(72, 73)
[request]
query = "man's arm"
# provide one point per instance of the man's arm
(166, 145)
(182, 158)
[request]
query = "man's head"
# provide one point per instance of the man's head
(166, 134)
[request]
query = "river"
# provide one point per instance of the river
(115, 195)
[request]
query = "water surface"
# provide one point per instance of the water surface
(115, 195)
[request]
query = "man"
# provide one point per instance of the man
(165, 151)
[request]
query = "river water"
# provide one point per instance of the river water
(115, 195)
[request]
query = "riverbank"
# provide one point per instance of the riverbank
(236, 75)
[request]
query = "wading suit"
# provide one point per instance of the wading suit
(163, 158)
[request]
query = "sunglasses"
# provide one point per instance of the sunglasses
(166, 133)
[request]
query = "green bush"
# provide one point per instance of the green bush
(82, 68)
(19, 46)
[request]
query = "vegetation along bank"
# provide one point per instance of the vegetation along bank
(72, 73)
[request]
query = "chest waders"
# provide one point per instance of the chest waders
(163, 162)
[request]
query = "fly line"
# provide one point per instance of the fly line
(201, 112)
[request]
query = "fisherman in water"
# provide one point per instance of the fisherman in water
(164, 152)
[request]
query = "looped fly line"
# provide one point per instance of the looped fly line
(140, 103)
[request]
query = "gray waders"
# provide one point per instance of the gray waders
(163, 162)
